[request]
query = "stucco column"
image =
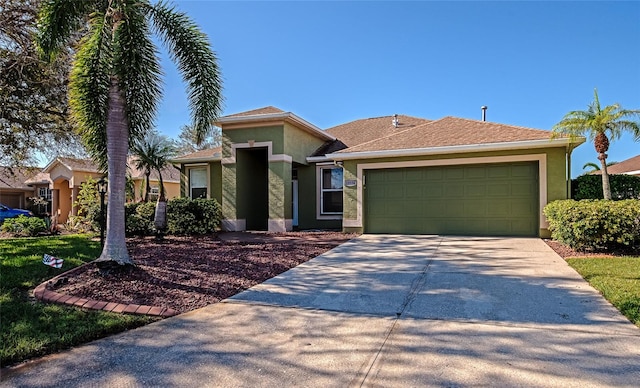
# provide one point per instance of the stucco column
(55, 205)
(280, 211)
(74, 197)
(230, 221)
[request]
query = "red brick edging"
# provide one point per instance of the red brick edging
(45, 294)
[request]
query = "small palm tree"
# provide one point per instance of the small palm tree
(601, 125)
(152, 153)
(114, 87)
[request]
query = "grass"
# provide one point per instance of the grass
(617, 278)
(29, 328)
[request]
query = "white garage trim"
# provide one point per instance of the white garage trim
(542, 176)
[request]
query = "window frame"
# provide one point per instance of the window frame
(321, 214)
(48, 193)
(190, 188)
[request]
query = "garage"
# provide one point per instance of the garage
(497, 199)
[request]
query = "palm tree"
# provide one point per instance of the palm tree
(115, 83)
(152, 153)
(601, 125)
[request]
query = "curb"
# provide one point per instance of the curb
(44, 293)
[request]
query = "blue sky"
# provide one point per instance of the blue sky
(331, 62)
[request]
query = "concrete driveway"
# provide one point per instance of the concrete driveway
(387, 311)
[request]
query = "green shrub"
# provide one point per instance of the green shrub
(595, 224)
(24, 226)
(193, 216)
(590, 187)
(139, 218)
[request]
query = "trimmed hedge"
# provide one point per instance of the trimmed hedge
(139, 218)
(184, 217)
(590, 187)
(595, 224)
(187, 216)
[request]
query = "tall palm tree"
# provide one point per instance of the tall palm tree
(601, 124)
(115, 83)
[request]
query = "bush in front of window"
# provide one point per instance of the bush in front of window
(187, 216)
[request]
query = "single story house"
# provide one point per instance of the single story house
(14, 190)
(59, 184)
(276, 171)
(629, 166)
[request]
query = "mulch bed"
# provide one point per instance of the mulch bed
(565, 251)
(186, 273)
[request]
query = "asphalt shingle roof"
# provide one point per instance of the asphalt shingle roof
(260, 111)
(451, 131)
(361, 131)
(624, 167)
(208, 153)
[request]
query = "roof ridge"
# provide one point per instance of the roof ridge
(396, 133)
(378, 117)
(496, 123)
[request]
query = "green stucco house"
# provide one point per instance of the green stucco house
(395, 174)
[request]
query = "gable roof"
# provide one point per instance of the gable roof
(629, 166)
(260, 111)
(450, 135)
(270, 114)
(169, 173)
(364, 130)
(72, 164)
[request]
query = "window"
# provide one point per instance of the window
(330, 190)
(44, 193)
(198, 182)
(154, 193)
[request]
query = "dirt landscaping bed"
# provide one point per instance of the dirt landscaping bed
(186, 273)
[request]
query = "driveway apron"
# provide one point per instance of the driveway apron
(380, 310)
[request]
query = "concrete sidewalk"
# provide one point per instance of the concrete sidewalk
(379, 311)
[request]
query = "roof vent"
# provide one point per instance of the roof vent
(484, 112)
(395, 120)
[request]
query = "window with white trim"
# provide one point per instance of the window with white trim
(44, 193)
(331, 190)
(154, 192)
(198, 182)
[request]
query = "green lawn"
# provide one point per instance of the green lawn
(29, 328)
(618, 279)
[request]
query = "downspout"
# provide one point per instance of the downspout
(568, 184)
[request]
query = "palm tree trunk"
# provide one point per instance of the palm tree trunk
(147, 186)
(115, 246)
(606, 188)
(160, 219)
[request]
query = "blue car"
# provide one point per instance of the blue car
(7, 212)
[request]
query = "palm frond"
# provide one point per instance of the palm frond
(137, 66)
(89, 88)
(57, 20)
(197, 63)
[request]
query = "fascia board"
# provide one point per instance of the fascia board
(318, 159)
(196, 160)
(516, 145)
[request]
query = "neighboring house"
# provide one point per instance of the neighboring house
(393, 174)
(14, 190)
(630, 166)
(60, 181)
